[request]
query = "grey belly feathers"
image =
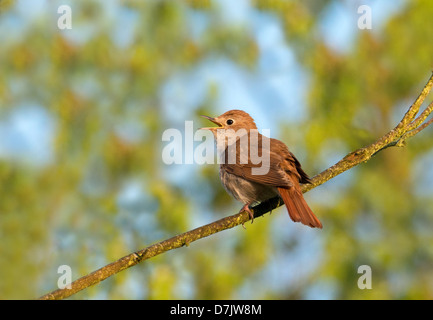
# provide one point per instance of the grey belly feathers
(247, 192)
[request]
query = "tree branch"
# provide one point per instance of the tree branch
(406, 128)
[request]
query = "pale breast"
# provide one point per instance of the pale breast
(245, 191)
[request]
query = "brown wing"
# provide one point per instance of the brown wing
(303, 177)
(265, 168)
(289, 163)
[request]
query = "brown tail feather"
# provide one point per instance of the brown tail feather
(298, 209)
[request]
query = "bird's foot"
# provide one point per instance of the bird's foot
(246, 208)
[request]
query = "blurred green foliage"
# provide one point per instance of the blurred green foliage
(69, 209)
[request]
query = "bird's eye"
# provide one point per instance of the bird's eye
(229, 122)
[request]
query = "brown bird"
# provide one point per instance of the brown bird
(255, 168)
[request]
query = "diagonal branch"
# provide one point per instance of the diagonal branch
(406, 128)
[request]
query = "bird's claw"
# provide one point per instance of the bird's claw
(247, 209)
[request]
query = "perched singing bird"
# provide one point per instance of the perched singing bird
(255, 168)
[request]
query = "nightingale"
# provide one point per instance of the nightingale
(255, 168)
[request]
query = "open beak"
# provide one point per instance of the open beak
(212, 120)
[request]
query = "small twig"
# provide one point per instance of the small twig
(420, 119)
(409, 134)
(414, 108)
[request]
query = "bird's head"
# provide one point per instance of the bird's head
(232, 120)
